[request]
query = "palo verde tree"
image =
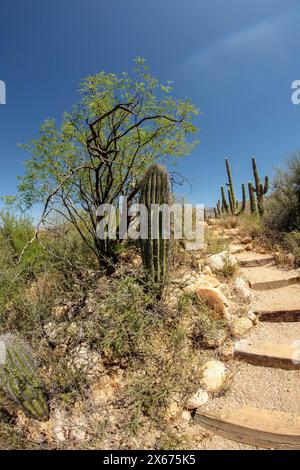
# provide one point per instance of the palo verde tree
(121, 125)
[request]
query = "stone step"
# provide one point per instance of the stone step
(278, 305)
(270, 277)
(279, 315)
(267, 429)
(251, 259)
(264, 353)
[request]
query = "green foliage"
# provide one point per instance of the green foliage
(103, 146)
(292, 244)
(283, 208)
(156, 252)
(19, 378)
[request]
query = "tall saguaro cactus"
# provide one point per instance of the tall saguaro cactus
(260, 189)
(231, 193)
(232, 206)
(156, 252)
(19, 378)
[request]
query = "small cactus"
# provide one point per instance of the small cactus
(260, 189)
(19, 378)
(156, 252)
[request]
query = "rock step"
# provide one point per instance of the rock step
(278, 305)
(279, 315)
(251, 259)
(263, 353)
(270, 277)
(267, 429)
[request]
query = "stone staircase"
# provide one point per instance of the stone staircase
(262, 408)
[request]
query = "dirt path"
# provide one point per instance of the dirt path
(262, 407)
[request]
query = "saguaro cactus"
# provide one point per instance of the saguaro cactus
(19, 378)
(156, 252)
(260, 189)
(232, 200)
(225, 207)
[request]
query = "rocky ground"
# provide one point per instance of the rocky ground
(239, 360)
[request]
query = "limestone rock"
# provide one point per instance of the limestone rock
(216, 300)
(60, 311)
(218, 262)
(198, 399)
(227, 351)
(242, 289)
(83, 359)
(212, 340)
(214, 376)
(213, 281)
(240, 326)
(60, 333)
(246, 240)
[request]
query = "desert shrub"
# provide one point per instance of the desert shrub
(250, 224)
(292, 244)
(215, 244)
(283, 206)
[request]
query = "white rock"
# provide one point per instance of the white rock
(213, 376)
(198, 399)
(241, 288)
(240, 326)
(252, 317)
(83, 359)
(218, 262)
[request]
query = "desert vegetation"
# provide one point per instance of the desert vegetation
(109, 343)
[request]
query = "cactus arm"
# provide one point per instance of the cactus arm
(252, 198)
(230, 184)
(243, 207)
(266, 185)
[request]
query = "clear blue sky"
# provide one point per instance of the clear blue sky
(236, 60)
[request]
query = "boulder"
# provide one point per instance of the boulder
(216, 300)
(213, 281)
(227, 351)
(214, 376)
(246, 240)
(218, 262)
(242, 289)
(240, 326)
(212, 340)
(199, 398)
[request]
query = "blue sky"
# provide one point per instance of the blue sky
(236, 60)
